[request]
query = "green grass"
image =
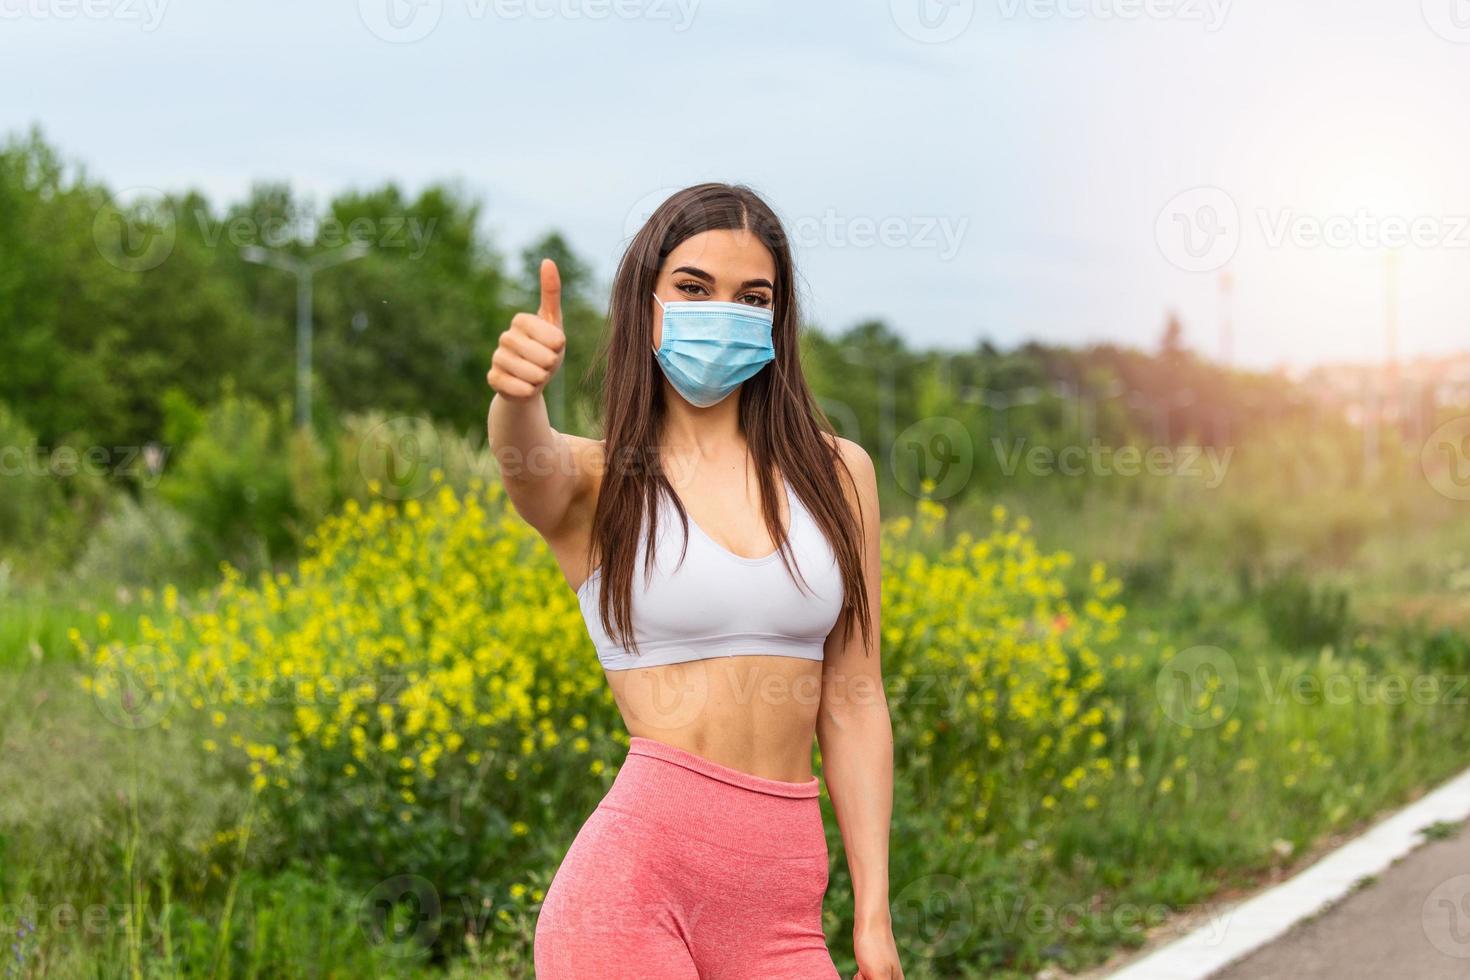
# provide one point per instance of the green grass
(101, 816)
(130, 857)
(1093, 885)
(34, 624)
(1315, 768)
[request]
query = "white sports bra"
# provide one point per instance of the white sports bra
(719, 604)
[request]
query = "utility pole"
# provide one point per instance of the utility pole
(1391, 332)
(304, 270)
(1227, 326)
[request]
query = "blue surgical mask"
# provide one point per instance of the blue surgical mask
(709, 348)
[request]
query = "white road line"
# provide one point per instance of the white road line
(1236, 931)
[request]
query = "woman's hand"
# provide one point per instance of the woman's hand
(532, 348)
(542, 470)
(876, 953)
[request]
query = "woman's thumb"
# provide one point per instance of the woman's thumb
(550, 293)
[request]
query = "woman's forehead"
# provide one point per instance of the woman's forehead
(734, 254)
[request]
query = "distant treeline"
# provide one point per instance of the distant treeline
(112, 303)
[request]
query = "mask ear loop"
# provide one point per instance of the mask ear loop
(662, 308)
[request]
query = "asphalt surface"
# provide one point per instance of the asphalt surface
(1411, 923)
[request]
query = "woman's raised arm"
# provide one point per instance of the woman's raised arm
(541, 467)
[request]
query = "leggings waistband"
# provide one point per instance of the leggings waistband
(735, 777)
(692, 798)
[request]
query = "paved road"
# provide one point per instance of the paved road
(1413, 923)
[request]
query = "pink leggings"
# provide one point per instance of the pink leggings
(690, 870)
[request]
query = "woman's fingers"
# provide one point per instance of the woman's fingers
(515, 376)
(533, 348)
(542, 331)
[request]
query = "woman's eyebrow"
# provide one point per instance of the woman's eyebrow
(701, 274)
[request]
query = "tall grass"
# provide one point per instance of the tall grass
(1068, 774)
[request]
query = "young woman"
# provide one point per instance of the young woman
(723, 544)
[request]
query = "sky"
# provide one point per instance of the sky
(964, 170)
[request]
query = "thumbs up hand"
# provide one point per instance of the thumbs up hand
(531, 349)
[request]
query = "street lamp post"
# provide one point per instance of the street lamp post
(303, 270)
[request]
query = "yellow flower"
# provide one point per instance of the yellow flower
(435, 639)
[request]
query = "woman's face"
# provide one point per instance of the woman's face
(726, 266)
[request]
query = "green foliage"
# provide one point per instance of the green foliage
(106, 304)
(232, 483)
(139, 544)
(50, 496)
(1049, 804)
(32, 502)
(89, 337)
(1301, 616)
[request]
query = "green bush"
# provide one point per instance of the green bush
(137, 545)
(1300, 616)
(232, 484)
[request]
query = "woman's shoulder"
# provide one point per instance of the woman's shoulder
(589, 456)
(584, 446)
(855, 456)
(861, 486)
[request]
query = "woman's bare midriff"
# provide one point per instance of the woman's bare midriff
(754, 713)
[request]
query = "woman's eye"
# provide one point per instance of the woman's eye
(690, 288)
(755, 299)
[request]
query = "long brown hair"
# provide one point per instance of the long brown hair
(782, 424)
